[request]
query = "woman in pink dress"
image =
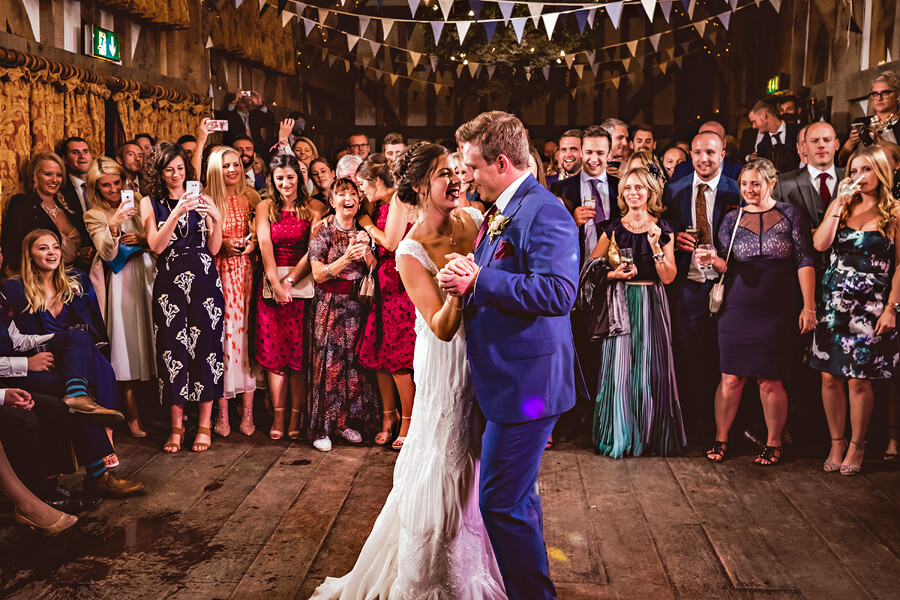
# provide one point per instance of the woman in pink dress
(283, 224)
(387, 344)
(226, 184)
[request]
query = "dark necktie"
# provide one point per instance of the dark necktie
(824, 190)
(485, 224)
(776, 139)
(599, 212)
(703, 234)
(84, 196)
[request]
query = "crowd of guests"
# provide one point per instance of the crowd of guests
(227, 268)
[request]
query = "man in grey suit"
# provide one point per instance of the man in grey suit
(812, 187)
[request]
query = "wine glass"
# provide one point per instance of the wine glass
(626, 255)
(706, 254)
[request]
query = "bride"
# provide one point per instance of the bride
(429, 541)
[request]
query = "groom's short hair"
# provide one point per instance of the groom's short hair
(494, 133)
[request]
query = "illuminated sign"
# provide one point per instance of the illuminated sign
(777, 84)
(101, 43)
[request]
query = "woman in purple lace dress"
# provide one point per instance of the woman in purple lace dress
(771, 267)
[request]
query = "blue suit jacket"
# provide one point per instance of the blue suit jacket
(678, 198)
(518, 332)
(729, 169)
(569, 190)
(85, 306)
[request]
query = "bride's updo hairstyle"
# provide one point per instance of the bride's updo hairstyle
(414, 168)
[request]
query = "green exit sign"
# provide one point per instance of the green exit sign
(777, 84)
(101, 43)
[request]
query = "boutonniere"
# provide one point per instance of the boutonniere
(496, 224)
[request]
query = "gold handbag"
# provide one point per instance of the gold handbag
(613, 256)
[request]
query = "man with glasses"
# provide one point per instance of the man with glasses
(884, 125)
(358, 145)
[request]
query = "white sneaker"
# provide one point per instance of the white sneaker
(323, 444)
(352, 436)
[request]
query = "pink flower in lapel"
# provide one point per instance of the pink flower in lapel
(496, 224)
(505, 249)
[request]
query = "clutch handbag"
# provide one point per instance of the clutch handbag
(304, 288)
(717, 293)
(122, 256)
(613, 256)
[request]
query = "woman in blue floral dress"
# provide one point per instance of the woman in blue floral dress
(855, 339)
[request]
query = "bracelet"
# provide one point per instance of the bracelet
(659, 258)
(328, 272)
(808, 310)
(451, 303)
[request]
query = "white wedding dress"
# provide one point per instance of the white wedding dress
(429, 542)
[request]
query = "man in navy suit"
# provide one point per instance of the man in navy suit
(698, 203)
(244, 145)
(519, 289)
(768, 130)
(569, 156)
(729, 169)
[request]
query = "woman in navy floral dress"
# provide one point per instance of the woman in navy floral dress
(188, 305)
(855, 339)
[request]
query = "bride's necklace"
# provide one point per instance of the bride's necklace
(449, 237)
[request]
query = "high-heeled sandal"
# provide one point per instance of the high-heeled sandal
(247, 427)
(398, 443)
(222, 426)
(294, 434)
(202, 446)
(274, 433)
(64, 521)
(383, 437)
(833, 467)
(179, 431)
(853, 469)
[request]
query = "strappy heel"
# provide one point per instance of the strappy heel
(222, 427)
(275, 432)
(293, 433)
(247, 427)
(398, 443)
(717, 452)
(833, 467)
(853, 469)
(383, 437)
(202, 446)
(769, 457)
(175, 447)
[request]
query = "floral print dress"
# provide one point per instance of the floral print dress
(855, 289)
(188, 307)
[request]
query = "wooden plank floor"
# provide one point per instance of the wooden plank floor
(253, 518)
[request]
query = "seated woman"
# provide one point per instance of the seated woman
(125, 284)
(637, 408)
(770, 267)
(43, 207)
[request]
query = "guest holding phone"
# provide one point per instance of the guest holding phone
(184, 228)
(125, 283)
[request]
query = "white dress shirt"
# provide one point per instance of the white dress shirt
(781, 133)
(814, 176)
(590, 227)
(78, 184)
(17, 366)
(694, 273)
(507, 194)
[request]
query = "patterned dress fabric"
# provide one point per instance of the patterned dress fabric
(637, 409)
(758, 333)
(342, 391)
(188, 310)
(236, 272)
(390, 336)
(854, 291)
(279, 328)
(429, 542)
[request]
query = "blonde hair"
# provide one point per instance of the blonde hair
(65, 283)
(40, 159)
(102, 167)
(308, 142)
(885, 203)
(764, 168)
(890, 78)
(654, 187)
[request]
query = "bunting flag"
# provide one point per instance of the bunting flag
(734, 4)
(654, 40)
(476, 7)
(864, 105)
(323, 14)
(351, 41)
(490, 70)
(570, 58)
(535, 8)
(595, 67)
(446, 6)
(375, 46)
(386, 26)
(308, 26)
(666, 7)
(776, 4)
(615, 81)
(413, 5)
(591, 15)
(262, 6)
(700, 26)
(519, 27)
(725, 19)
(415, 56)
(434, 63)
(632, 46)
(209, 42)
(237, 4)
(663, 66)
(473, 68)
(614, 10)
(581, 18)
(489, 28)
(436, 28)
(579, 70)
(286, 18)
(546, 72)
(462, 28)
(649, 8)
(506, 9)
(363, 24)
(550, 23)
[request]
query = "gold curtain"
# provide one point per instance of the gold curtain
(161, 118)
(15, 133)
(261, 39)
(171, 13)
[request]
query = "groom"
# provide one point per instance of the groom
(518, 290)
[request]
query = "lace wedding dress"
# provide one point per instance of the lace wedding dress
(429, 542)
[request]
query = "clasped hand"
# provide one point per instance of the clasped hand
(458, 277)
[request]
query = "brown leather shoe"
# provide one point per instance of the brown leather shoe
(110, 486)
(96, 415)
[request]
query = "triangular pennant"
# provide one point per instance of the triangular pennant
(489, 28)
(734, 4)
(375, 46)
(776, 4)
(473, 68)
(300, 7)
(519, 27)
(346, 65)
(690, 7)
(262, 5)
(595, 67)
(654, 40)
(700, 26)
(415, 56)
(308, 25)
(626, 62)
(331, 60)
(462, 28)
(436, 28)
(666, 7)
(633, 77)
(725, 18)
(528, 74)
(649, 8)
(323, 14)
(591, 56)
(363, 24)
(506, 9)
(366, 61)
(632, 46)
(546, 72)
(490, 70)
(209, 42)
(550, 23)
(386, 26)
(864, 105)
(476, 7)
(581, 19)
(413, 5)
(324, 53)
(446, 6)
(614, 10)
(434, 62)
(678, 61)
(535, 8)
(579, 70)
(393, 78)
(615, 81)
(590, 16)
(573, 92)
(351, 41)
(570, 58)
(237, 3)
(459, 69)
(640, 61)
(663, 66)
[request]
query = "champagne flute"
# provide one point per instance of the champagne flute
(851, 187)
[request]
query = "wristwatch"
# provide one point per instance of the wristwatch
(895, 306)
(290, 280)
